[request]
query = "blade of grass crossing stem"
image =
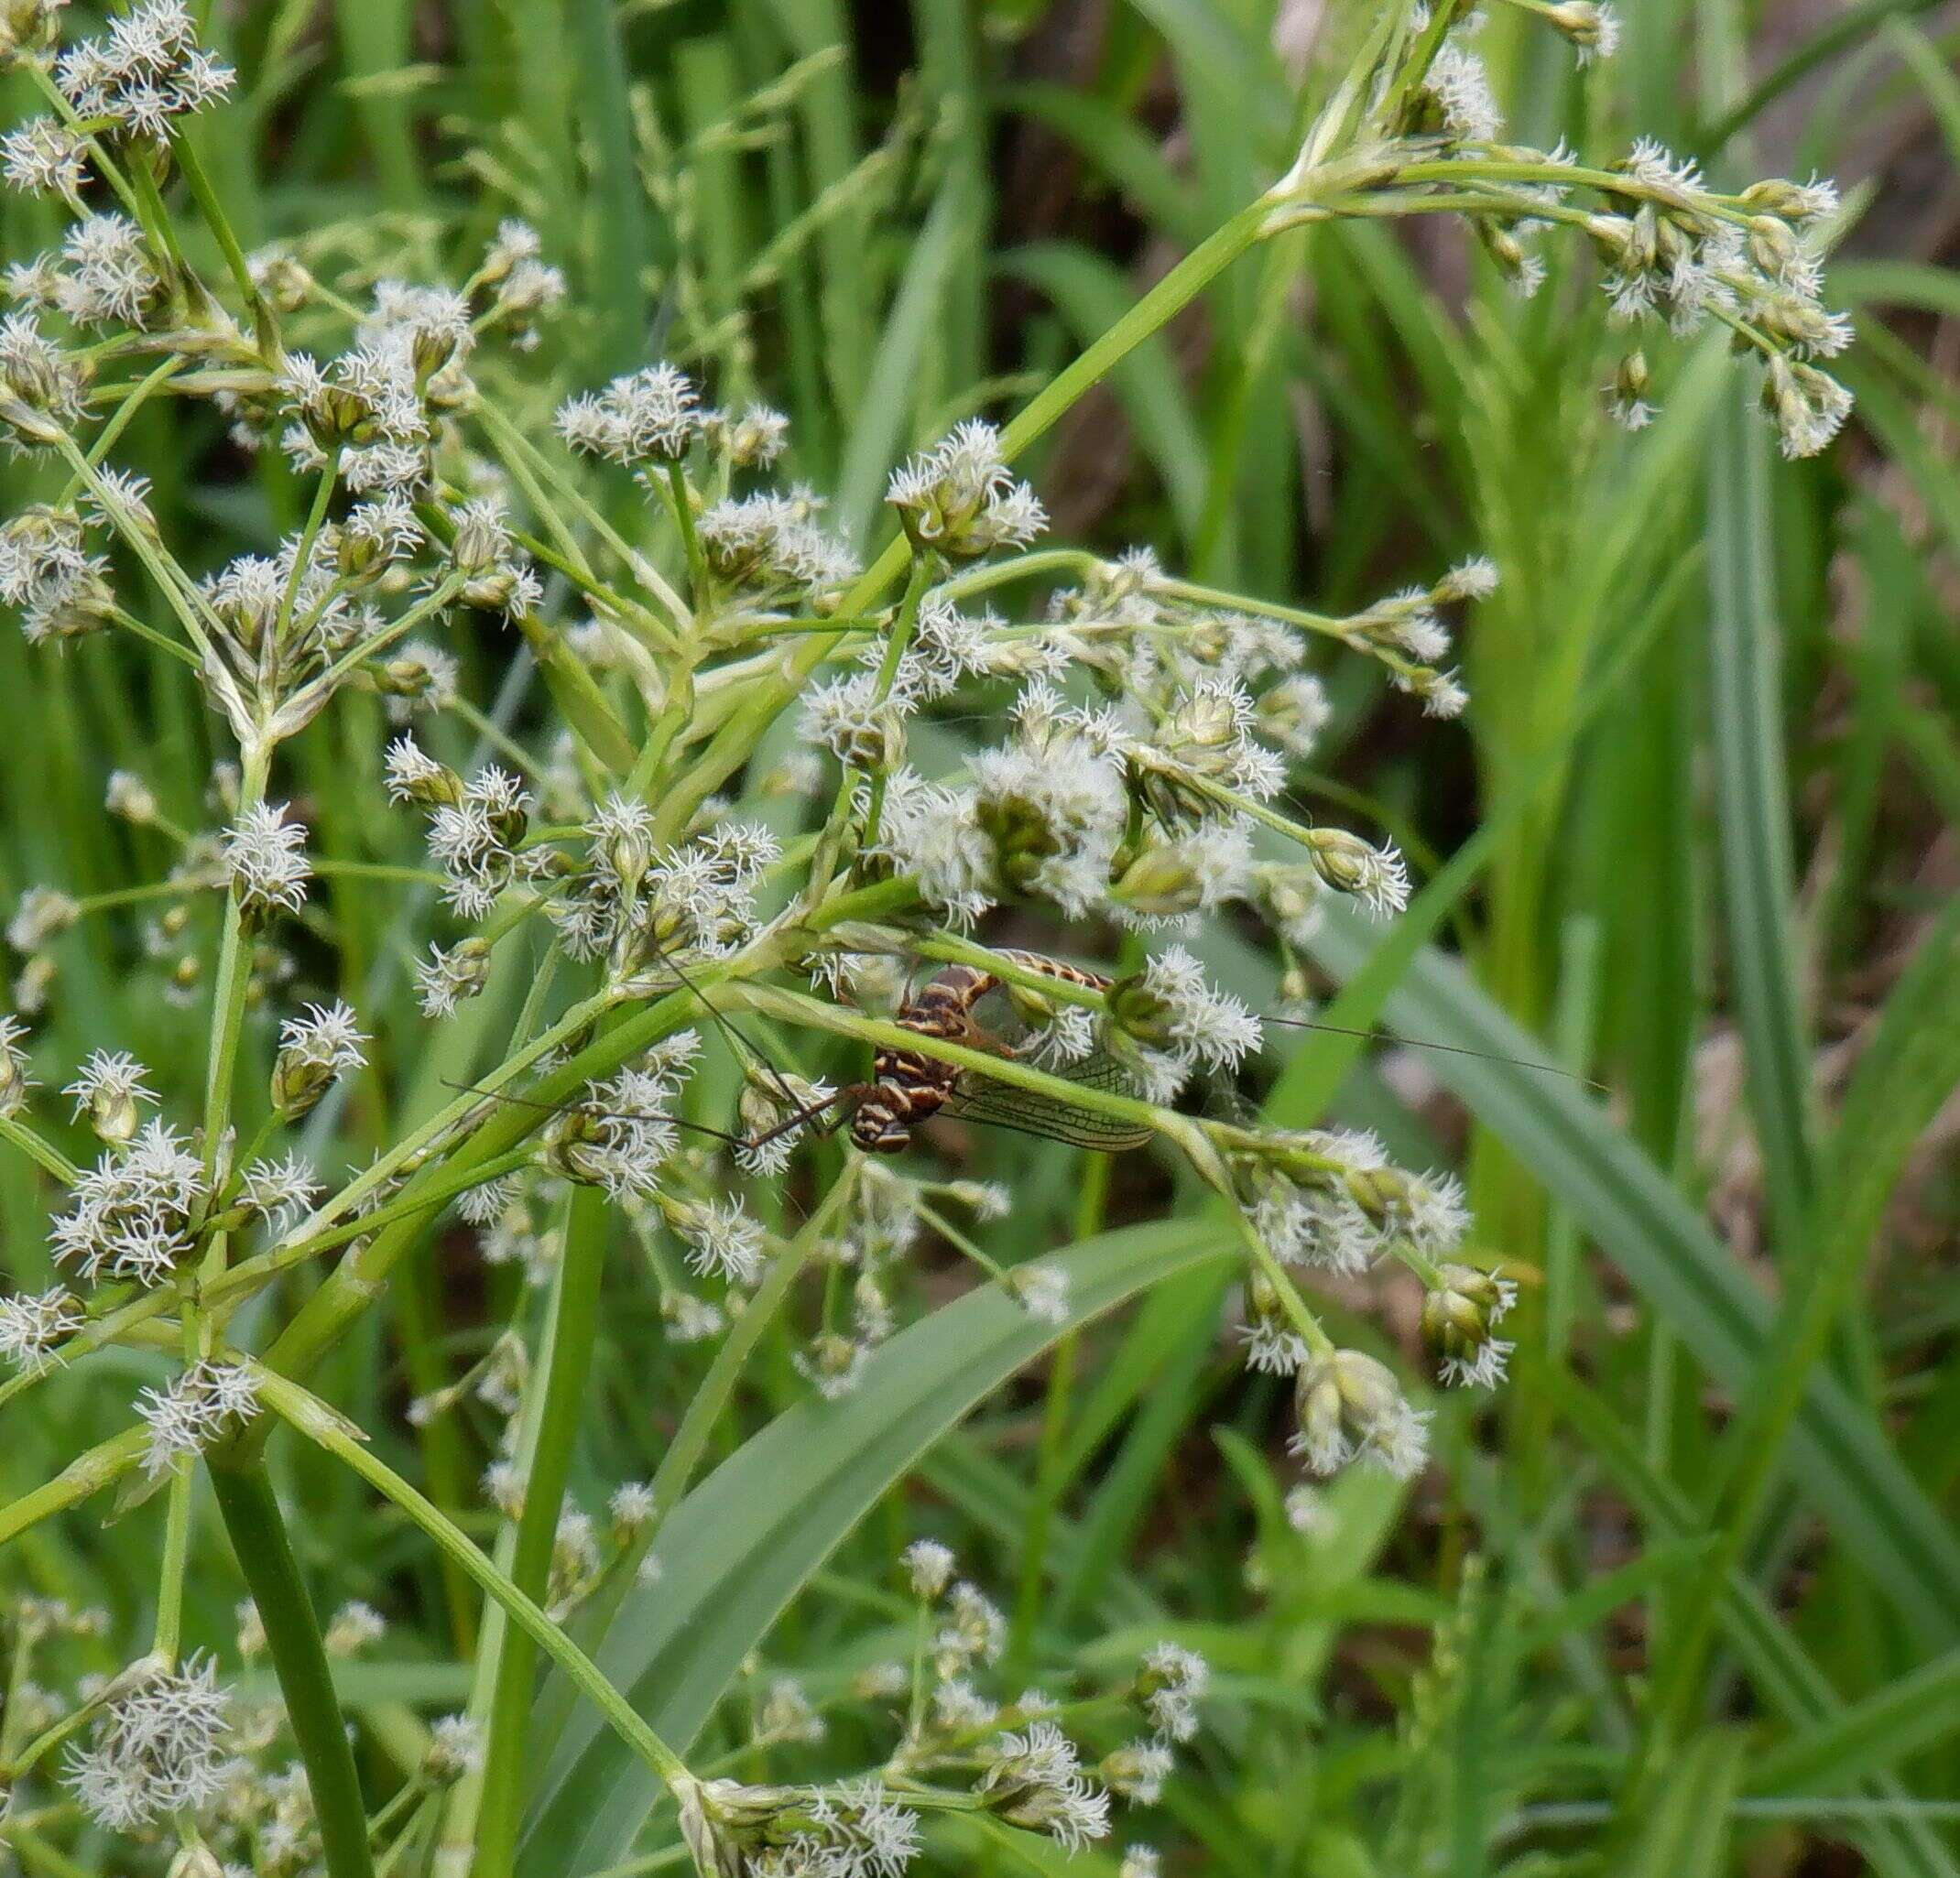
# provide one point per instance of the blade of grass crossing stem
(1904, 1718)
(743, 1542)
(251, 1515)
(1686, 1835)
(1846, 1465)
(330, 1430)
(1908, 1074)
(1751, 796)
(566, 1362)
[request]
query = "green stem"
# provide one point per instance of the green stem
(44, 1153)
(168, 1635)
(232, 981)
(105, 437)
(169, 579)
(316, 515)
(367, 649)
(84, 1477)
(272, 1575)
(566, 1365)
(104, 165)
(895, 645)
(130, 623)
(511, 443)
(329, 1431)
(191, 169)
(732, 744)
(697, 567)
(253, 1274)
(691, 1439)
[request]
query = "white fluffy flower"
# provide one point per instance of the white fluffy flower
(929, 1567)
(160, 1748)
(281, 1190)
(1036, 1781)
(131, 1213)
(725, 1238)
(1172, 1682)
(265, 859)
(929, 832)
(653, 413)
(1349, 1407)
(1042, 1291)
(34, 1325)
(207, 1400)
(959, 499)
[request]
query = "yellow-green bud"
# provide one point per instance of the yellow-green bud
(1459, 1318)
(1160, 883)
(27, 25)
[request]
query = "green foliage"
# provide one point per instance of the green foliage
(1685, 1597)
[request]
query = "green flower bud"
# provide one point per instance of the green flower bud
(1459, 1318)
(1349, 1406)
(1160, 883)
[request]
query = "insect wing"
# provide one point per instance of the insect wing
(977, 1097)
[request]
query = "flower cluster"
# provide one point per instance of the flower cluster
(162, 1746)
(206, 1402)
(1023, 1760)
(1672, 245)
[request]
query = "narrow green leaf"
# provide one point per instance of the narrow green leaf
(1752, 796)
(738, 1548)
(1844, 1463)
(1903, 1719)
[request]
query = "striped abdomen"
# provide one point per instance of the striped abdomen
(911, 1087)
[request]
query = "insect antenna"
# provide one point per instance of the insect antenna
(525, 1102)
(738, 1042)
(851, 1092)
(1454, 1049)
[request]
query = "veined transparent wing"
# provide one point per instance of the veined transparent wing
(978, 1097)
(1001, 1105)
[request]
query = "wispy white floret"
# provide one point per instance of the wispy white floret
(131, 1212)
(725, 1238)
(1173, 1681)
(653, 413)
(34, 1325)
(1349, 1407)
(1042, 1291)
(264, 859)
(162, 1747)
(1036, 1781)
(209, 1399)
(929, 1567)
(281, 1190)
(108, 1088)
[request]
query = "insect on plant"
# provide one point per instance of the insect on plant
(422, 478)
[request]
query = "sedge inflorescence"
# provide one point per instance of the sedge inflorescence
(1065, 1763)
(657, 922)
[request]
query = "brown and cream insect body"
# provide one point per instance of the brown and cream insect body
(910, 1087)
